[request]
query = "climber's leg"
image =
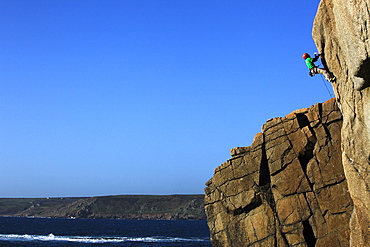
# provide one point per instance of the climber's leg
(328, 76)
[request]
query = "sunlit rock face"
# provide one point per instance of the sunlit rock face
(341, 31)
(287, 189)
(305, 180)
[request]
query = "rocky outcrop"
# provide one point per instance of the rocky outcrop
(287, 189)
(342, 33)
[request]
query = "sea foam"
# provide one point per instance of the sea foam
(89, 239)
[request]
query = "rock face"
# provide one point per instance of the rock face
(342, 32)
(287, 189)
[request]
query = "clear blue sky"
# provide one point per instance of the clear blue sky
(146, 96)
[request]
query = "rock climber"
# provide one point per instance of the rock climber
(314, 69)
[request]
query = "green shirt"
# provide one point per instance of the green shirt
(310, 62)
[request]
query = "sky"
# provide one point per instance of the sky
(143, 97)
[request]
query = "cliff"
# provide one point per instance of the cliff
(287, 189)
(166, 207)
(341, 31)
(305, 180)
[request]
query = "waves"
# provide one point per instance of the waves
(91, 240)
(91, 232)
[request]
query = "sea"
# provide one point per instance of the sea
(17, 231)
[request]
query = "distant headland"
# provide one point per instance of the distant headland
(166, 207)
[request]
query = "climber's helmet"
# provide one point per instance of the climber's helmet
(306, 55)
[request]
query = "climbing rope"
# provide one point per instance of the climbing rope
(324, 81)
(354, 164)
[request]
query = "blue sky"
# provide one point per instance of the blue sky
(146, 96)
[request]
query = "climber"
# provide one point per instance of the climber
(314, 69)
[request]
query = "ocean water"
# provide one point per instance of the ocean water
(16, 231)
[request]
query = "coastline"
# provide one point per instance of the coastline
(140, 207)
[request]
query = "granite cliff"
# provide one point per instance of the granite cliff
(305, 180)
(287, 189)
(342, 33)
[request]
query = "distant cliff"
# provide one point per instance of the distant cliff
(167, 207)
(287, 189)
